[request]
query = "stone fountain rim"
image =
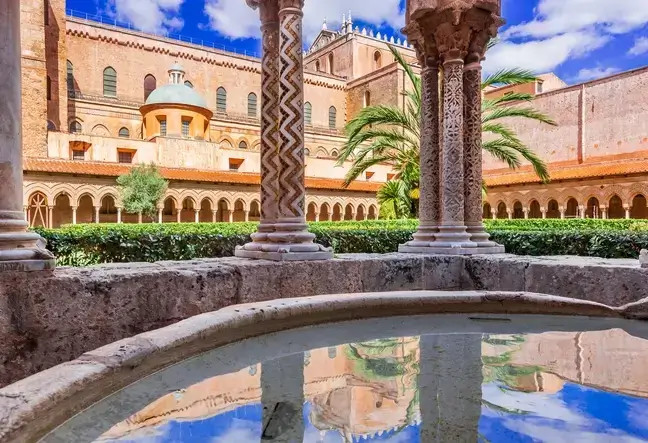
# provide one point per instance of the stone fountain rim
(32, 407)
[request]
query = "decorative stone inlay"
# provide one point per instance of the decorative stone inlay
(288, 239)
(19, 250)
(455, 32)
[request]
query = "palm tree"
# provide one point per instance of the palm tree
(389, 134)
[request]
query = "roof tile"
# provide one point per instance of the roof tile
(58, 166)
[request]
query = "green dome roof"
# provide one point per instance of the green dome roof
(174, 94)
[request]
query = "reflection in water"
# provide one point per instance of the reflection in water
(550, 387)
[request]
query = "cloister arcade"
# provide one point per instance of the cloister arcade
(614, 204)
(56, 207)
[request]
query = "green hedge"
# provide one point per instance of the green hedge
(82, 245)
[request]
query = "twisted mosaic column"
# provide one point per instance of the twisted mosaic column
(472, 161)
(429, 203)
(452, 230)
(270, 165)
(19, 250)
(287, 236)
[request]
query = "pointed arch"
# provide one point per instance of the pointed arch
(150, 85)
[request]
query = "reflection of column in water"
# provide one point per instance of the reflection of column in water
(282, 381)
(450, 380)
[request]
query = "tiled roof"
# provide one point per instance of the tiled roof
(57, 166)
(567, 172)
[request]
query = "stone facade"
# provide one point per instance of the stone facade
(595, 154)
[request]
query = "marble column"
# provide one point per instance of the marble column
(178, 215)
(627, 211)
(96, 214)
(246, 215)
(119, 215)
(269, 148)
(509, 213)
(282, 399)
(562, 212)
(50, 217)
(543, 212)
(139, 218)
(196, 215)
(214, 214)
(230, 216)
(472, 91)
(450, 387)
(74, 214)
(317, 216)
(526, 213)
(494, 214)
(20, 250)
(429, 202)
(289, 239)
(452, 230)
(160, 215)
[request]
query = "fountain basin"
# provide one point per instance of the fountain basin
(33, 407)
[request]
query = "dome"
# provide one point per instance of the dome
(174, 94)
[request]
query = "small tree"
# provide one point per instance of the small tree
(142, 189)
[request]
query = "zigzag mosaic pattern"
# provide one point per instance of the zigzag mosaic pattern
(291, 109)
(270, 164)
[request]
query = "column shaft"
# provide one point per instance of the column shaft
(196, 216)
(74, 215)
(119, 215)
(472, 160)
(429, 202)
(19, 249)
(452, 231)
(96, 214)
(214, 213)
(270, 164)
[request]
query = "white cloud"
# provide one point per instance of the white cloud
(555, 17)
(587, 74)
(232, 18)
(148, 15)
(545, 55)
(640, 46)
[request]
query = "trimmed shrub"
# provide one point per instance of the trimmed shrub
(82, 245)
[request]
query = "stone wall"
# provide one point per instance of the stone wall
(600, 118)
(34, 77)
(49, 318)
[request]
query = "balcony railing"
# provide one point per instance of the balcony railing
(108, 21)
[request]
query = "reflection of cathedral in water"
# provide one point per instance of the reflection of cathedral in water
(371, 390)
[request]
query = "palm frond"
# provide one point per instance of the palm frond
(507, 77)
(507, 98)
(502, 151)
(415, 79)
(517, 111)
(396, 193)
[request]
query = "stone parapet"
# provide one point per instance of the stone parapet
(47, 318)
(38, 404)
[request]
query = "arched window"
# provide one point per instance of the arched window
(109, 82)
(317, 66)
(486, 213)
(252, 105)
(334, 153)
(188, 83)
(332, 117)
(243, 145)
(221, 100)
(330, 63)
(51, 126)
(367, 99)
(150, 83)
(377, 60)
(70, 76)
(75, 127)
(49, 88)
(308, 113)
(124, 133)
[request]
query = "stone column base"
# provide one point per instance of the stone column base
(282, 253)
(440, 250)
(21, 250)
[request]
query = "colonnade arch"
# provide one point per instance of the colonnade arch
(64, 203)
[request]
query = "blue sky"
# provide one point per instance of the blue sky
(580, 40)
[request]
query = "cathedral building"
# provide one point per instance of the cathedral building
(99, 98)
